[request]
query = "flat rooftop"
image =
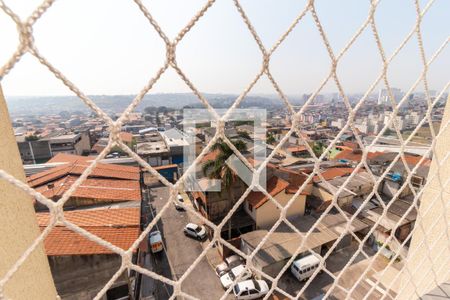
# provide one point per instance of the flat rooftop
(150, 144)
(284, 242)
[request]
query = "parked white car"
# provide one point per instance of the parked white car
(178, 201)
(250, 289)
(229, 263)
(227, 279)
(195, 231)
(304, 267)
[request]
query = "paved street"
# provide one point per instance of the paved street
(182, 251)
(323, 282)
(202, 282)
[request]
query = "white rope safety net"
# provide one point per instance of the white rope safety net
(27, 45)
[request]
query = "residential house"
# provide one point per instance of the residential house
(153, 148)
(298, 151)
(75, 143)
(324, 191)
(399, 172)
(264, 211)
(33, 152)
(80, 267)
(399, 219)
(284, 242)
(107, 183)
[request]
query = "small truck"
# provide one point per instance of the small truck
(155, 241)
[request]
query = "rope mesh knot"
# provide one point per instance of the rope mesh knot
(25, 35)
(170, 54)
(58, 214)
(220, 126)
(26, 39)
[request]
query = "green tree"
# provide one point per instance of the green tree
(318, 148)
(31, 138)
(244, 134)
(270, 139)
(217, 168)
(150, 109)
(389, 132)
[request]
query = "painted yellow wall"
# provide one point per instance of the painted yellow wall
(321, 193)
(268, 213)
(18, 226)
(326, 196)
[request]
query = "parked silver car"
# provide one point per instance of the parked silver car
(229, 263)
(240, 271)
(178, 201)
(196, 231)
(250, 289)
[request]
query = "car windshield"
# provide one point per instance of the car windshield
(236, 289)
(256, 285)
(198, 229)
(232, 277)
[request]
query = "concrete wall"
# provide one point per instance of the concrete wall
(389, 188)
(327, 197)
(34, 151)
(84, 145)
(423, 278)
(18, 226)
(79, 277)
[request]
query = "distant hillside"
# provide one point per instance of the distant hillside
(114, 104)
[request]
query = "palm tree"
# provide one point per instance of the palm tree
(217, 168)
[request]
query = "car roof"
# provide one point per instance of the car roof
(232, 258)
(155, 237)
(238, 269)
(307, 260)
(246, 284)
(192, 225)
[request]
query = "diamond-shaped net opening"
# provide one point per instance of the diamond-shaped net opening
(303, 236)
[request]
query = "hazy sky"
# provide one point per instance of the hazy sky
(108, 47)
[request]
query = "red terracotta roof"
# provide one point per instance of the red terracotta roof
(63, 241)
(95, 188)
(274, 186)
(69, 158)
(297, 148)
(332, 173)
(210, 156)
(414, 160)
(351, 145)
(296, 180)
(342, 148)
(126, 137)
(165, 167)
(122, 217)
(355, 156)
(118, 226)
(77, 168)
(98, 148)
